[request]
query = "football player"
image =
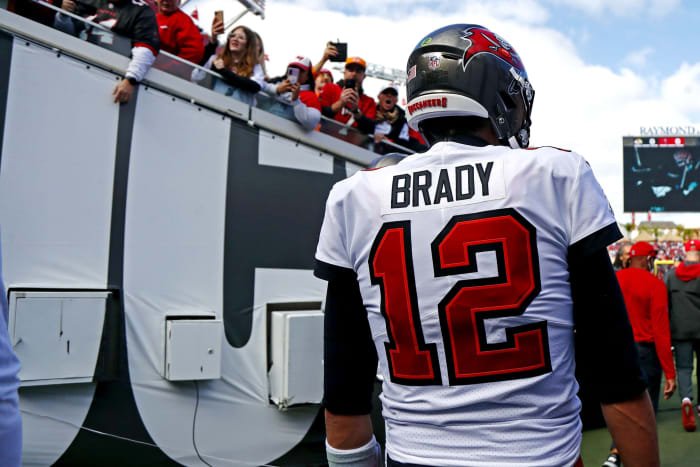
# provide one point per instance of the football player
(464, 271)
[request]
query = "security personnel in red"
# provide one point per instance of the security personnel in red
(647, 306)
(346, 102)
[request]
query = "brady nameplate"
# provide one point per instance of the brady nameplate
(444, 187)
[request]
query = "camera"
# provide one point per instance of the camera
(350, 83)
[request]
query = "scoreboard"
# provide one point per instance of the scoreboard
(661, 174)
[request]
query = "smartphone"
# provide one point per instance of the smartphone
(350, 83)
(219, 14)
(293, 75)
(342, 51)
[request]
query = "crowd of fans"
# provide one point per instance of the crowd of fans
(665, 251)
(304, 93)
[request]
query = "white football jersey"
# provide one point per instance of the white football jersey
(461, 258)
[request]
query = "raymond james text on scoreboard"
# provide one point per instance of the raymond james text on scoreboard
(688, 130)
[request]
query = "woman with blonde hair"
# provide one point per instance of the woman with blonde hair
(261, 55)
(239, 66)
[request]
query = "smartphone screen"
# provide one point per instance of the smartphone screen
(219, 14)
(293, 75)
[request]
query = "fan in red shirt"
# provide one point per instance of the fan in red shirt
(647, 306)
(349, 104)
(178, 33)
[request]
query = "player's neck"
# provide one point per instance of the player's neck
(487, 134)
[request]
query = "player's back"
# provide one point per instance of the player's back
(461, 256)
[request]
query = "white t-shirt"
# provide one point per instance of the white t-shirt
(461, 258)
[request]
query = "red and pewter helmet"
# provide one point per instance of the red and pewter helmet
(692, 245)
(642, 249)
(467, 70)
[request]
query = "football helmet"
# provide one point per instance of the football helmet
(467, 70)
(386, 160)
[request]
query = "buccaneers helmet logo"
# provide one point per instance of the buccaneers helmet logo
(480, 40)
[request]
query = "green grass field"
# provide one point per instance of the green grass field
(678, 448)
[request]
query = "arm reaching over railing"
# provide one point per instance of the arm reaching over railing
(101, 20)
(307, 111)
(141, 60)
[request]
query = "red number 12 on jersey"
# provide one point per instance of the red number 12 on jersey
(470, 358)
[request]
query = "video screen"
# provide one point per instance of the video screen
(661, 174)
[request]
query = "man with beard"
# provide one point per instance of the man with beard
(346, 101)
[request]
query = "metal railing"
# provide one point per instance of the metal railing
(184, 69)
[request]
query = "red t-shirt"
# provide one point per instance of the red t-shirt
(310, 99)
(647, 306)
(179, 36)
(331, 93)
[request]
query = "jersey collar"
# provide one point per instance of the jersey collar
(469, 140)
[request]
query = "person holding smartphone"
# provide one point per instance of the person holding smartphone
(296, 89)
(346, 102)
(239, 66)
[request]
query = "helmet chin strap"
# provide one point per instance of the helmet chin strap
(513, 142)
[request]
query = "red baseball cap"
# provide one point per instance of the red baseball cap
(692, 245)
(325, 71)
(642, 249)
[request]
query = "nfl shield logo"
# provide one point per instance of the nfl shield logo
(434, 63)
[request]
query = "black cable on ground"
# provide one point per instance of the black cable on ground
(194, 424)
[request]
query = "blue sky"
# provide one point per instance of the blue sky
(600, 68)
(610, 40)
(612, 36)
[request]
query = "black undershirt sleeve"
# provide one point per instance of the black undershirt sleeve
(366, 125)
(350, 358)
(241, 82)
(607, 363)
(209, 50)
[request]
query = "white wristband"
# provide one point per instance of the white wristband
(368, 455)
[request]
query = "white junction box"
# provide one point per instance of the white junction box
(296, 351)
(56, 335)
(192, 348)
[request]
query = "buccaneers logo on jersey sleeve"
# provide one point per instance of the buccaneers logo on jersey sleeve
(481, 40)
